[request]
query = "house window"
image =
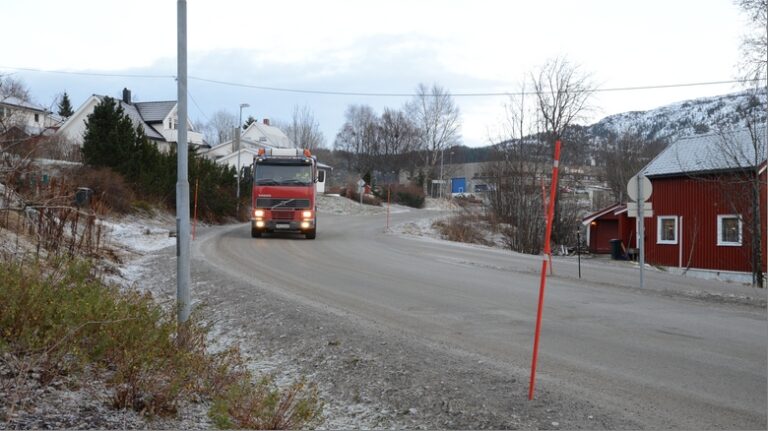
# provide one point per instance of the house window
(666, 230)
(729, 230)
(37, 118)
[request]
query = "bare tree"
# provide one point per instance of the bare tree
(515, 196)
(438, 120)
(754, 46)
(625, 156)
(220, 128)
(397, 137)
(11, 87)
(742, 188)
(358, 137)
(304, 130)
(562, 94)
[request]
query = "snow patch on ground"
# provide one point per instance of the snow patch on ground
(140, 234)
(335, 204)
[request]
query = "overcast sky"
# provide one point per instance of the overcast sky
(366, 46)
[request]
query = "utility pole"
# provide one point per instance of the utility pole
(183, 302)
(237, 136)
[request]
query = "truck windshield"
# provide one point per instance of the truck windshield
(283, 175)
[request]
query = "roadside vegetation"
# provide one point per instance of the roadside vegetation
(60, 322)
(64, 327)
(111, 143)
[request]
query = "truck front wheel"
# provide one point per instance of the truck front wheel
(311, 234)
(255, 233)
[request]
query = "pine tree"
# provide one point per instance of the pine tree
(109, 136)
(65, 106)
(248, 122)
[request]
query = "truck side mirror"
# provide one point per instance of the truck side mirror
(320, 177)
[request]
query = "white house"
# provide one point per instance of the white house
(28, 117)
(256, 135)
(159, 120)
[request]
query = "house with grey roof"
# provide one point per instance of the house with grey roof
(158, 119)
(256, 135)
(707, 205)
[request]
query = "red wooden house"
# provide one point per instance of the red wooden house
(609, 224)
(704, 200)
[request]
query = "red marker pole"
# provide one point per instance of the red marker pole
(542, 285)
(389, 203)
(544, 204)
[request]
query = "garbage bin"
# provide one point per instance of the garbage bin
(83, 196)
(616, 252)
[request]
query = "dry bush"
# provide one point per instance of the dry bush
(59, 321)
(350, 192)
(110, 189)
(462, 228)
(58, 147)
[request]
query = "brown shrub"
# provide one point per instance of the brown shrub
(109, 188)
(462, 228)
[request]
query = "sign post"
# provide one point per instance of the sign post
(361, 189)
(639, 190)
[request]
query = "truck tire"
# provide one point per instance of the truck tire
(311, 234)
(255, 233)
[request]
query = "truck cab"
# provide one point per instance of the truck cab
(283, 197)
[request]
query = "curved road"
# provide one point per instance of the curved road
(664, 360)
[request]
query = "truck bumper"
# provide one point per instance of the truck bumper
(283, 225)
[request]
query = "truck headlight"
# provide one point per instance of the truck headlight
(259, 224)
(305, 225)
(306, 214)
(258, 213)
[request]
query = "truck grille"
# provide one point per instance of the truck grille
(269, 203)
(283, 215)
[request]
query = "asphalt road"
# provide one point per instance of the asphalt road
(663, 356)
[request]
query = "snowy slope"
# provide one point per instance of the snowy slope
(686, 118)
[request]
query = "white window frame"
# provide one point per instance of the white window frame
(720, 241)
(659, 230)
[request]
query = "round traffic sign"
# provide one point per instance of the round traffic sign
(644, 194)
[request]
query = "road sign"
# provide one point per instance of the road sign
(632, 209)
(632, 189)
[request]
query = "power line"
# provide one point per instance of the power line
(480, 94)
(380, 94)
(108, 75)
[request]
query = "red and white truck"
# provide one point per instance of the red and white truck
(283, 197)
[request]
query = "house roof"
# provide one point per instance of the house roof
(155, 112)
(275, 137)
(709, 153)
(15, 101)
(244, 152)
(615, 209)
(136, 117)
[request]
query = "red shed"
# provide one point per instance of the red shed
(706, 204)
(607, 224)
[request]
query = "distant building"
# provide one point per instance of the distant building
(256, 135)
(158, 119)
(20, 119)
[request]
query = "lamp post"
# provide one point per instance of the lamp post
(239, 169)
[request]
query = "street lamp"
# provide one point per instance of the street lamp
(239, 169)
